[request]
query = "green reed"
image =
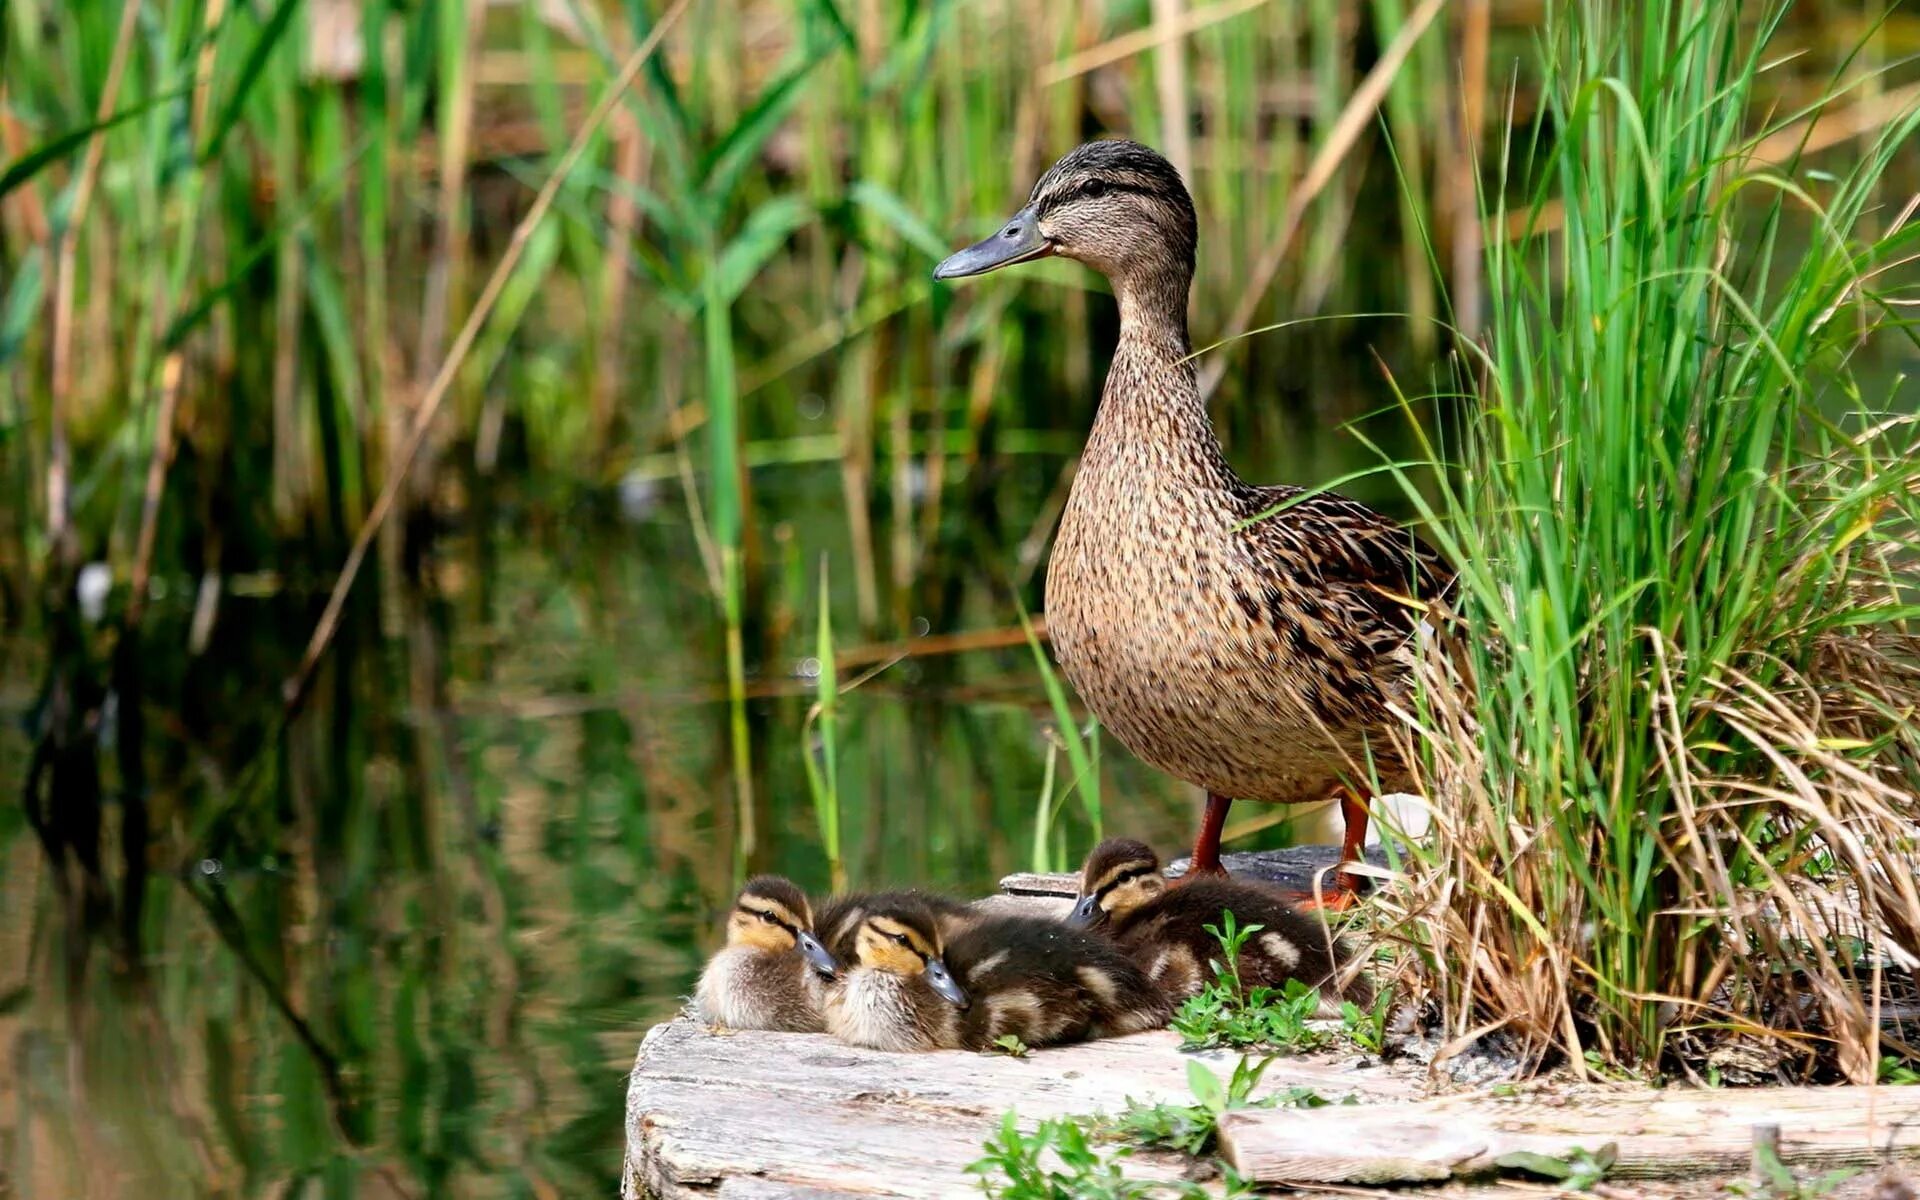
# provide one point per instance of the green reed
(1685, 527)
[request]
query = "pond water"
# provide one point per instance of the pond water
(405, 942)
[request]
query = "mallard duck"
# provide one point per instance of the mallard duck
(772, 972)
(1125, 896)
(1249, 640)
(907, 988)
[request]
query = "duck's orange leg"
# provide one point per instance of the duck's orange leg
(1344, 891)
(1206, 846)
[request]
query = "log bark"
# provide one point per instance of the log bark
(1676, 1131)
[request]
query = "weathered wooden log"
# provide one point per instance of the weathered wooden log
(1676, 1131)
(808, 1117)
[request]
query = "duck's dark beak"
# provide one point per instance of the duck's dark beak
(1084, 913)
(817, 956)
(1018, 240)
(944, 983)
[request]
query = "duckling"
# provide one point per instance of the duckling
(895, 991)
(841, 916)
(1251, 640)
(1046, 983)
(771, 973)
(907, 988)
(1124, 895)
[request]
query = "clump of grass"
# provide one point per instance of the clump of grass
(1671, 746)
(1367, 1027)
(1083, 759)
(1062, 1159)
(1775, 1180)
(1228, 1013)
(1191, 1128)
(1010, 1045)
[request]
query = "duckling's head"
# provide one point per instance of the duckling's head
(1119, 876)
(902, 937)
(1114, 205)
(772, 915)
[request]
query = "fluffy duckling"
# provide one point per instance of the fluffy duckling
(907, 987)
(841, 917)
(772, 972)
(895, 992)
(1124, 895)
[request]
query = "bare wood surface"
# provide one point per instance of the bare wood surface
(1657, 1133)
(801, 1115)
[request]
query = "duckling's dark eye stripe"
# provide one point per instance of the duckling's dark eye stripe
(767, 916)
(1123, 877)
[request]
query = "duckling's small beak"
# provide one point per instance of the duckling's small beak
(1084, 913)
(944, 983)
(1018, 240)
(817, 956)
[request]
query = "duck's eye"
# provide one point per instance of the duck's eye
(764, 917)
(1093, 189)
(902, 939)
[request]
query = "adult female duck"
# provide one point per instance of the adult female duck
(1247, 639)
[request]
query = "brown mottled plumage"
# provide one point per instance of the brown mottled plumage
(1124, 896)
(1045, 984)
(1254, 655)
(771, 973)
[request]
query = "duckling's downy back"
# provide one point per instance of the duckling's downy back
(1045, 984)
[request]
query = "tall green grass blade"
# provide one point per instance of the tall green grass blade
(721, 167)
(766, 230)
(1082, 752)
(23, 169)
(22, 307)
(258, 56)
(822, 734)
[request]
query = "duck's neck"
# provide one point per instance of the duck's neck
(1151, 413)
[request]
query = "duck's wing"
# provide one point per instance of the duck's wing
(1329, 565)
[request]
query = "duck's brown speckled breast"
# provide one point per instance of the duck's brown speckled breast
(1147, 610)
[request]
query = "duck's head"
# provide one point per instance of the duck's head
(1119, 876)
(902, 937)
(772, 915)
(1114, 205)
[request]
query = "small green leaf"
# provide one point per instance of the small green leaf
(1543, 1165)
(1206, 1087)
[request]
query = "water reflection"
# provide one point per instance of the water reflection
(405, 943)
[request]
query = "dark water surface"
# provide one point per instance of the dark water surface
(406, 943)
